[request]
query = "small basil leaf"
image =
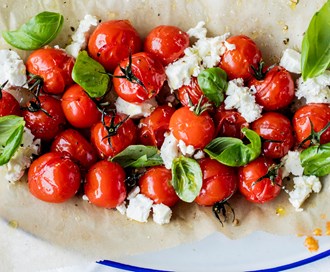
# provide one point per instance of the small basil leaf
(315, 49)
(37, 32)
(138, 156)
(213, 83)
(90, 75)
(316, 160)
(11, 133)
(187, 178)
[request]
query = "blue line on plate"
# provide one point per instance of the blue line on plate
(128, 267)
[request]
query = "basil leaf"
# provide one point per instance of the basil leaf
(315, 53)
(11, 133)
(37, 32)
(187, 178)
(90, 75)
(232, 151)
(138, 156)
(213, 83)
(316, 160)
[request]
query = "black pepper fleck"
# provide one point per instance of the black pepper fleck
(72, 28)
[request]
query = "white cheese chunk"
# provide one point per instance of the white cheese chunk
(122, 208)
(133, 193)
(292, 164)
(291, 61)
(136, 111)
(139, 208)
(199, 31)
(12, 68)
(169, 150)
(161, 214)
(186, 150)
(199, 155)
(230, 46)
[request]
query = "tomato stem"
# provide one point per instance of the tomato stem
(271, 174)
(2, 87)
(314, 137)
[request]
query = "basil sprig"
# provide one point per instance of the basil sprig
(315, 53)
(40, 30)
(11, 133)
(232, 151)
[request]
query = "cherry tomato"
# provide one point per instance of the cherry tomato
(9, 105)
(112, 41)
(319, 115)
(152, 128)
(47, 120)
(79, 109)
(110, 140)
(237, 62)
(156, 183)
(253, 184)
(277, 133)
(54, 177)
(54, 66)
(219, 182)
(191, 93)
(192, 129)
(276, 90)
(166, 43)
(105, 184)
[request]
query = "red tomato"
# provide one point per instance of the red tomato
(152, 128)
(319, 115)
(237, 62)
(277, 133)
(54, 66)
(71, 142)
(191, 92)
(192, 129)
(105, 184)
(79, 109)
(47, 121)
(112, 41)
(156, 184)
(276, 90)
(219, 182)
(120, 138)
(54, 177)
(255, 190)
(145, 77)
(166, 43)
(9, 105)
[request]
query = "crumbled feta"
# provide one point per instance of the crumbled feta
(199, 155)
(186, 150)
(291, 61)
(161, 214)
(135, 111)
(242, 99)
(169, 150)
(230, 46)
(81, 36)
(12, 68)
(85, 198)
(292, 165)
(139, 208)
(199, 31)
(122, 208)
(133, 193)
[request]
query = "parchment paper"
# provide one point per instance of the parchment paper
(99, 233)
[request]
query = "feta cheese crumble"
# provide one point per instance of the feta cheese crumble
(291, 61)
(136, 111)
(12, 68)
(292, 164)
(186, 150)
(169, 150)
(139, 208)
(161, 214)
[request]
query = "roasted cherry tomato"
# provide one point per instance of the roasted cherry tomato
(79, 109)
(113, 41)
(54, 66)
(152, 128)
(237, 62)
(8, 104)
(156, 184)
(255, 185)
(191, 93)
(166, 43)
(54, 177)
(318, 115)
(276, 132)
(219, 182)
(105, 184)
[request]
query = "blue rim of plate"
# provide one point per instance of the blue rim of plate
(296, 264)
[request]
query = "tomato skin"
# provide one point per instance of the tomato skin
(167, 43)
(152, 128)
(263, 190)
(276, 91)
(192, 91)
(237, 62)
(54, 66)
(276, 129)
(54, 177)
(192, 129)
(156, 184)
(79, 109)
(112, 41)
(219, 182)
(9, 105)
(105, 184)
(318, 114)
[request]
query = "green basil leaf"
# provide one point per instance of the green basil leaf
(232, 151)
(11, 133)
(37, 32)
(315, 49)
(316, 160)
(90, 75)
(213, 83)
(138, 156)
(187, 178)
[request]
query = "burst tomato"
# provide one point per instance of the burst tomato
(191, 93)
